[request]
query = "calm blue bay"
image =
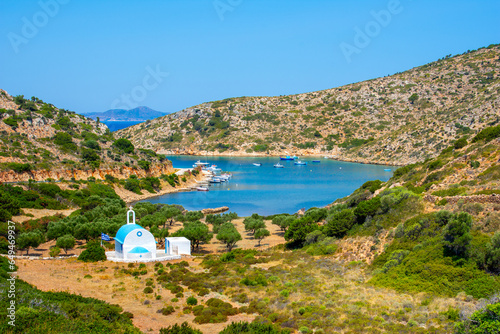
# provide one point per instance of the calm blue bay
(267, 190)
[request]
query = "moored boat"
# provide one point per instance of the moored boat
(388, 169)
(278, 165)
(287, 158)
(258, 164)
(202, 188)
(300, 163)
(200, 164)
(316, 161)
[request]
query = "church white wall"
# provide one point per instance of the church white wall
(139, 238)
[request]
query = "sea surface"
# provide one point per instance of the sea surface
(267, 190)
(118, 125)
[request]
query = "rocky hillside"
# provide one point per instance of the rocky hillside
(39, 141)
(465, 172)
(399, 119)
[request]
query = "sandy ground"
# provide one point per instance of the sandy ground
(37, 213)
(108, 284)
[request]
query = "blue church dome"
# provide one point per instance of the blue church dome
(125, 230)
(138, 250)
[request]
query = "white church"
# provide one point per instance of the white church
(133, 243)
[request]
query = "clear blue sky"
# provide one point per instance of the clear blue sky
(86, 55)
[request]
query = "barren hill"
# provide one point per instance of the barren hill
(399, 119)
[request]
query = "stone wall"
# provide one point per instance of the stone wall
(494, 198)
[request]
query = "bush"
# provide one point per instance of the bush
(339, 223)
(19, 168)
(372, 185)
(148, 289)
(460, 143)
(167, 310)
(192, 301)
(456, 234)
(144, 164)
(487, 134)
(482, 321)
(184, 328)
(493, 253)
(93, 253)
(125, 145)
(54, 251)
(252, 328)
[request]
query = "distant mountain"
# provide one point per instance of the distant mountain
(136, 114)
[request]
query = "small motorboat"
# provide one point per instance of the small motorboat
(388, 170)
(200, 164)
(202, 188)
(213, 169)
(287, 158)
(278, 165)
(258, 164)
(215, 180)
(300, 163)
(316, 161)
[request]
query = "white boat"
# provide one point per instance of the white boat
(278, 165)
(200, 164)
(300, 163)
(215, 180)
(257, 164)
(214, 169)
(202, 188)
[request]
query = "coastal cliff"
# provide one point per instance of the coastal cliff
(121, 172)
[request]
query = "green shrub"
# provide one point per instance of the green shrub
(19, 167)
(284, 293)
(487, 134)
(167, 310)
(372, 185)
(184, 328)
(93, 253)
(148, 289)
(191, 301)
(460, 143)
(125, 145)
(482, 321)
(252, 328)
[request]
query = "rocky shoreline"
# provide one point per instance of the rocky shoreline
(278, 154)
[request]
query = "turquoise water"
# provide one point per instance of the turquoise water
(267, 190)
(118, 125)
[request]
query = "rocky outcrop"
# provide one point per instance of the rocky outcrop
(121, 172)
(214, 211)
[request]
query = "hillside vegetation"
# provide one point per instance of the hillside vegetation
(400, 119)
(35, 135)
